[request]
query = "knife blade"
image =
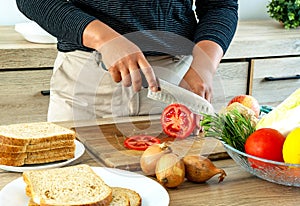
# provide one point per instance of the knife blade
(171, 93)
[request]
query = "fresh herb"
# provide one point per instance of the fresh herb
(285, 11)
(231, 127)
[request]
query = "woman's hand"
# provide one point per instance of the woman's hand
(122, 58)
(199, 78)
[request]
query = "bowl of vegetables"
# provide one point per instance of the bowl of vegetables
(273, 171)
(265, 146)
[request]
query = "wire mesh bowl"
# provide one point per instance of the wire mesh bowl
(272, 171)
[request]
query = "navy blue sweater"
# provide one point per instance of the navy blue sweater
(172, 21)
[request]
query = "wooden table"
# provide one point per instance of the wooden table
(238, 188)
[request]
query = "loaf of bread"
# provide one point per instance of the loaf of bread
(35, 143)
(73, 185)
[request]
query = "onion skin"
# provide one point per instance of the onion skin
(200, 169)
(150, 157)
(170, 170)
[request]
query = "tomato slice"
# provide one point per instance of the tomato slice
(178, 121)
(140, 142)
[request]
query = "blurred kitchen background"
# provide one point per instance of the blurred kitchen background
(249, 10)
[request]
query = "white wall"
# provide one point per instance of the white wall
(249, 10)
(253, 9)
(9, 13)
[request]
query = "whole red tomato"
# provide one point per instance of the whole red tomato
(265, 143)
(178, 121)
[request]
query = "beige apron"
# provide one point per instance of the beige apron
(81, 89)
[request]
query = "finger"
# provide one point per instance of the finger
(208, 96)
(115, 74)
(125, 75)
(126, 80)
(148, 73)
(199, 90)
(136, 79)
(198, 128)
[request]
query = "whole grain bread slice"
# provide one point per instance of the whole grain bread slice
(53, 158)
(51, 152)
(36, 147)
(46, 156)
(73, 185)
(119, 198)
(12, 162)
(34, 133)
(30, 161)
(45, 152)
(134, 197)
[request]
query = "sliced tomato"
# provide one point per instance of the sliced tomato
(140, 142)
(178, 121)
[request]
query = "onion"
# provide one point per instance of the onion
(200, 169)
(170, 171)
(151, 155)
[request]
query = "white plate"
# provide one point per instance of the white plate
(151, 192)
(78, 153)
(32, 32)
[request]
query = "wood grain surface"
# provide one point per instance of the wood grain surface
(21, 98)
(16, 52)
(105, 143)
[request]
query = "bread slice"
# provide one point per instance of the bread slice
(44, 156)
(36, 159)
(53, 158)
(33, 133)
(73, 185)
(12, 162)
(36, 147)
(134, 197)
(31, 161)
(39, 153)
(119, 198)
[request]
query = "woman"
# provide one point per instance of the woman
(110, 51)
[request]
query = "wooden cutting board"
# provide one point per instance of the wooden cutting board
(105, 143)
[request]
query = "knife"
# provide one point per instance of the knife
(171, 93)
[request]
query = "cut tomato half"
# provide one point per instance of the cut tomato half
(140, 142)
(178, 121)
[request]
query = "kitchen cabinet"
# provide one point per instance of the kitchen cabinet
(230, 80)
(259, 49)
(274, 79)
(21, 99)
(271, 51)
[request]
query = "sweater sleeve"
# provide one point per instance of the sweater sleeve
(217, 21)
(60, 18)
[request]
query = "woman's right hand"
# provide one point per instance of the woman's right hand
(124, 60)
(121, 57)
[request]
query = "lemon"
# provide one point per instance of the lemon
(291, 147)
